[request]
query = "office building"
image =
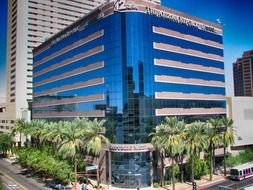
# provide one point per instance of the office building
(132, 63)
(243, 71)
(30, 23)
(240, 109)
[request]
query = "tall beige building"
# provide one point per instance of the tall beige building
(30, 23)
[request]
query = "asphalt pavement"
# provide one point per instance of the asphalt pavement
(235, 185)
(9, 184)
(14, 179)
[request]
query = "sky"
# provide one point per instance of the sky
(236, 17)
(237, 20)
(3, 32)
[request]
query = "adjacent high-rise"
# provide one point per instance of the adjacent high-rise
(30, 23)
(240, 109)
(243, 75)
(132, 63)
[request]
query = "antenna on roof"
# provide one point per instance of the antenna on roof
(220, 22)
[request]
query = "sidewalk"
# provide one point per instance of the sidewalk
(203, 182)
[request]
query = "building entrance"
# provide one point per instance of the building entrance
(130, 181)
(130, 165)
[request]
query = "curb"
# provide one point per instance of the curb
(212, 183)
(205, 185)
(9, 160)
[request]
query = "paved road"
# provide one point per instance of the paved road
(9, 184)
(239, 185)
(13, 178)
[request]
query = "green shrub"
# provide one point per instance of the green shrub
(80, 164)
(168, 174)
(5, 143)
(241, 158)
(233, 161)
(43, 161)
(201, 168)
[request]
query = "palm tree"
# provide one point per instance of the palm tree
(195, 142)
(157, 142)
(5, 143)
(94, 139)
(168, 137)
(73, 134)
(213, 139)
(228, 137)
(35, 130)
(181, 155)
(55, 134)
(19, 127)
(173, 140)
(47, 132)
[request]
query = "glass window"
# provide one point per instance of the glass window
(234, 172)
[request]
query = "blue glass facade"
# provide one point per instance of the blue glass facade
(125, 95)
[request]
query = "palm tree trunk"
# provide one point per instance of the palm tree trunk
(211, 162)
(98, 174)
(151, 169)
(163, 182)
(182, 168)
(192, 175)
(160, 167)
(75, 162)
(225, 165)
(173, 173)
(214, 160)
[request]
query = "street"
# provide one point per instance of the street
(13, 179)
(9, 184)
(236, 185)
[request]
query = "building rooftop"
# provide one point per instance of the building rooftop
(248, 53)
(144, 6)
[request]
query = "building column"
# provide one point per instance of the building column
(151, 169)
(110, 166)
